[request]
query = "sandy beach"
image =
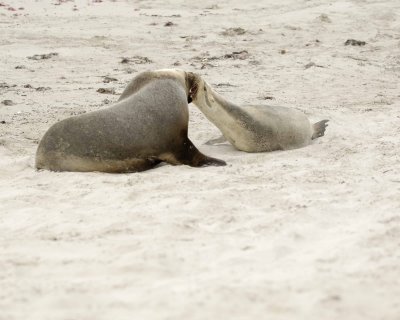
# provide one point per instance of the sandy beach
(311, 233)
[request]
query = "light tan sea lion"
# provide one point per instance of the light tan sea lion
(148, 124)
(257, 128)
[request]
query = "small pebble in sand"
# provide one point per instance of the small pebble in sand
(224, 84)
(213, 7)
(283, 51)
(109, 79)
(206, 65)
(7, 102)
(233, 32)
(255, 62)
(169, 24)
(106, 90)
(324, 18)
(352, 42)
(130, 70)
(266, 98)
(43, 56)
(309, 65)
(42, 88)
(2, 122)
(136, 60)
(312, 64)
(241, 55)
(4, 85)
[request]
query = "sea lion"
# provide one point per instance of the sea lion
(148, 124)
(254, 128)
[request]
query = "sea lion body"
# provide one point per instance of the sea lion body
(149, 124)
(272, 128)
(255, 128)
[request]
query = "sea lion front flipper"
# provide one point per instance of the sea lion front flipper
(209, 161)
(190, 155)
(211, 142)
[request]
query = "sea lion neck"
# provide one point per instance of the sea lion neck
(217, 109)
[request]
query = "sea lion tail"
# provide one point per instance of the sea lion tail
(319, 129)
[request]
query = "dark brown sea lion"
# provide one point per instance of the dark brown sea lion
(148, 124)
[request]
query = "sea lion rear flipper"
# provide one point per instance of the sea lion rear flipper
(319, 129)
(211, 142)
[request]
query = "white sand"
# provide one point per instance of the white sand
(308, 234)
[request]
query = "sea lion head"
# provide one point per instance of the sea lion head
(199, 91)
